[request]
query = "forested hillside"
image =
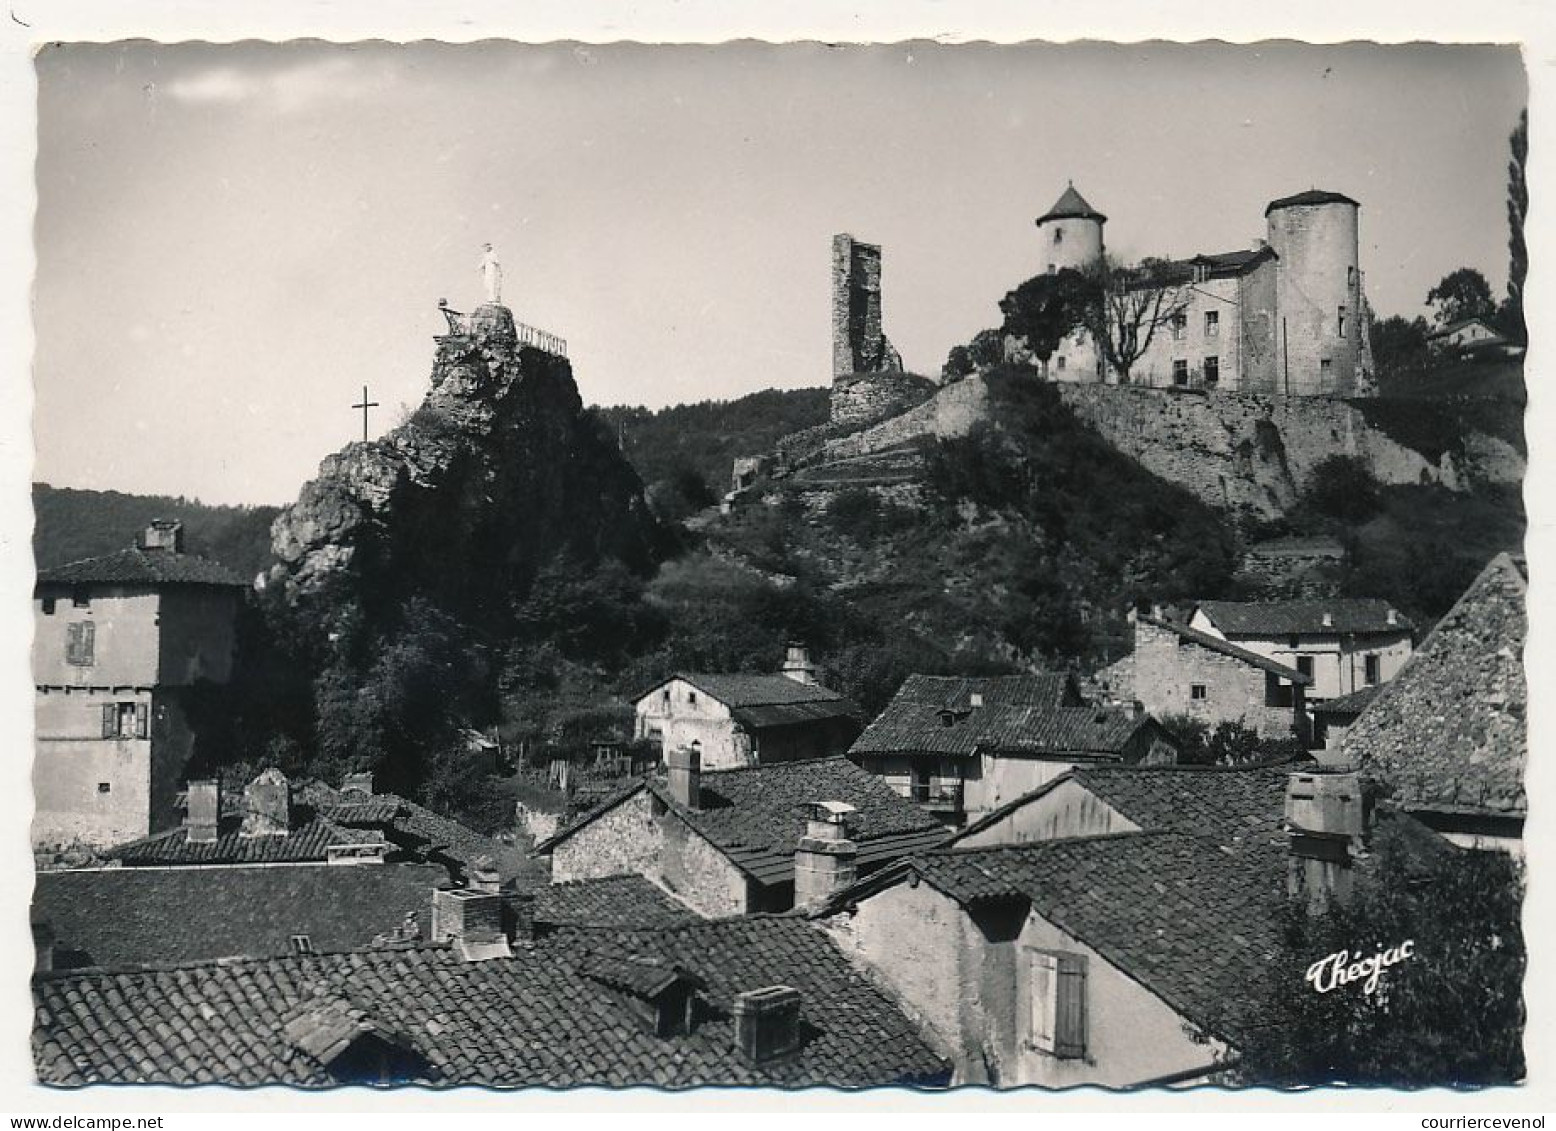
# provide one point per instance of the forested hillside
(74, 523)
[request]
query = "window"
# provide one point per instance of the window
(1350, 276)
(1052, 268)
(664, 697)
(1212, 323)
(1179, 322)
(1180, 372)
(302, 944)
(104, 787)
(1374, 670)
(1058, 235)
(79, 640)
(1305, 665)
(1197, 692)
(80, 598)
(125, 720)
(1212, 370)
(1059, 364)
(691, 697)
(1277, 693)
(1323, 368)
(1340, 322)
(1201, 272)
(1293, 641)
(1056, 1002)
(48, 606)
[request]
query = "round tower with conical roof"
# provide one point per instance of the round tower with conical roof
(1320, 339)
(1070, 233)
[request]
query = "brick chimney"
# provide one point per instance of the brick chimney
(686, 776)
(797, 665)
(484, 876)
(203, 816)
(767, 1023)
(359, 783)
(1393, 616)
(472, 921)
(267, 805)
(164, 534)
(825, 860)
(1325, 822)
(1328, 619)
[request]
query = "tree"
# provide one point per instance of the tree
(1512, 314)
(1462, 294)
(1450, 1013)
(1227, 743)
(1046, 309)
(1128, 306)
(1399, 347)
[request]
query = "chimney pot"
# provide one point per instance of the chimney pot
(685, 765)
(267, 805)
(797, 665)
(1328, 620)
(825, 860)
(1393, 616)
(471, 920)
(767, 1023)
(203, 815)
(976, 698)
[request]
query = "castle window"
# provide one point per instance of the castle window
(79, 643)
(1212, 323)
(691, 697)
(1058, 235)
(1340, 322)
(1212, 370)
(1052, 268)
(1324, 368)
(1059, 364)
(104, 787)
(1180, 372)
(1350, 276)
(48, 606)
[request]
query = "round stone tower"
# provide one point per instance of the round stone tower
(1319, 335)
(1070, 233)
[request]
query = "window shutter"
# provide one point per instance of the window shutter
(141, 721)
(110, 720)
(1070, 1020)
(1042, 998)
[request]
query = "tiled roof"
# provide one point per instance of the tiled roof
(1353, 704)
(1289, 618)
(1216, 644)
(615, 901)
(1071, 205)
(1311, 196)
(1449, 733)
(758, 701)
(136, 566)
(1459, 324)
(136, 916)
(756, 815)
(413, 826)
(534, 1019)
(307, 842)
(1240, 808)
(916, 728)
(1219, 265)
(1298, 546)
(1192, 923)
(1039, 689)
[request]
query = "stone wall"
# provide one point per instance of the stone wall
(1163, 673)
(1255, 453)
(952, 412)
(858, 402)
(858, 344)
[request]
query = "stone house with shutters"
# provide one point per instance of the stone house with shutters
(1177, 670)
(1342, 644)
(119, 644)
(961, 747)
(743, 719)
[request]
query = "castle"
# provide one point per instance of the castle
(1285, 316)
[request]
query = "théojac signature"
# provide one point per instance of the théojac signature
(1339, 969)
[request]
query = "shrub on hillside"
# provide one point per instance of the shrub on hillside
(1343, 487)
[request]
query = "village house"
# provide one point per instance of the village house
(1117, 928)
(1448, 738)
(1176, 670)
(734, 842)
(119, 644)
(766, 1001)
(276, 821)
(1285, 315)
(748, 720)
(961, 747)
(1470, 335)
(1342, 644)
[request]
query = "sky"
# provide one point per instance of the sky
(232, 240)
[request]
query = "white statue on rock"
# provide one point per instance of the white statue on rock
(491, 274)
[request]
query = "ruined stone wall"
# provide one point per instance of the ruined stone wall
(858, 344)
(861, 401)
(1255, 453)
(950, 413)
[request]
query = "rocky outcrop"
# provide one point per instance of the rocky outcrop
(499, 472)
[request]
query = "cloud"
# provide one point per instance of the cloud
(283, 90)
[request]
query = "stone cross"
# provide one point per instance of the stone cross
(491, 274)
(364, 406)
